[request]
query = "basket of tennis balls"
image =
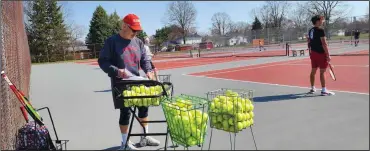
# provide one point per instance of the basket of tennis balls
(231, 110)
(187, 119)
(141, 93)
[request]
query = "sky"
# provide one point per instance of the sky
(152, 13)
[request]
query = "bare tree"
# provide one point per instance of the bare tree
(241, 27)
(221, 23)
(301, 18)
(76, 33)
(367, 14)
(182, 14)
(331, 10)
(272, 14)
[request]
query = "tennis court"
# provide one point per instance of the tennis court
(353, 72)
(83, 110)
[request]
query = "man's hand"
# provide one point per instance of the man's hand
(328, 58)
(150, 75)
(122, 73)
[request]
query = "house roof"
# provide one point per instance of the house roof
(78, 48)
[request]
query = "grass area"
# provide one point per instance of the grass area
(67, 61)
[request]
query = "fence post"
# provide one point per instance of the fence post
(268, 36)
(1, 40)
(94, 51)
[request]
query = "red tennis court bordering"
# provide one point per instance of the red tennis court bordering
(352, 73)
(192, 62)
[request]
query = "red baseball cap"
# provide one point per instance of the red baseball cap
(132, 21)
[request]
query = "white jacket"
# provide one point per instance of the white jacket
(148, 52)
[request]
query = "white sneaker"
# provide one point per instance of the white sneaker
(326, 93)
(148, 141)
(130, 146)
(312, 91)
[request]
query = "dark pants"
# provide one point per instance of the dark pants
(125, 113)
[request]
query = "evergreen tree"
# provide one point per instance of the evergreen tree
(257, 25)
(162, 35)
(37, 28)
(141, 35)
(256, 28)
(58, 32)
(115, 23)
(99, 29)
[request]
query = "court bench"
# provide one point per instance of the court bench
(301, 52)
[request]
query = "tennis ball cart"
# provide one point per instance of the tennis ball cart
(140, 92)
(187, 116)
(36, 125)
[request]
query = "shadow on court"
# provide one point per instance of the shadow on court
(137, 146)
(283, 97)
(110, 90)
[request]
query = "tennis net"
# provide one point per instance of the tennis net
(241, 52)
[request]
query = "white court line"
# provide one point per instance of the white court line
(282, 85)
(246, 67)
(334, 65)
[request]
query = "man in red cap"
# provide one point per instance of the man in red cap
(319, 53)
(120, 57)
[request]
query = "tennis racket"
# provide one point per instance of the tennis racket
(24, 101)
(331, 72)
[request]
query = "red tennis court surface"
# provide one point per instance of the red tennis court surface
(352, 73)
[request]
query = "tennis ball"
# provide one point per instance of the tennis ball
(205, 116)
(216, 100)
(228, 92)
(125, 93)
(127, 103)
(240, 126)
(251, 114)
(222, 98)
(247, 107)
(251, 121)
(198, 121)
(225, 125)
(231, 121)
(219, 118)
(218, 126)
(156, 102)
(247, 116)
(191, 141)
(239, 107)
(136, 89)
(252, 107)
(240, 116)
(146, 102)
(232, 129)
(213, 120)
(248, 101)
(134, 101)
(245, 124)
(248, 123)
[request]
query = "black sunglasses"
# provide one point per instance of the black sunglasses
(134, 31)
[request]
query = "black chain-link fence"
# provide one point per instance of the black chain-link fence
(15, 61)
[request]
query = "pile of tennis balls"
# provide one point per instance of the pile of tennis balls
(143, 90)
(230, 112)
(187, 125)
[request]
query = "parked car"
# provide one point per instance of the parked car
(206, 45)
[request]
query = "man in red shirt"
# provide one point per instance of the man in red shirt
(319, 53)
